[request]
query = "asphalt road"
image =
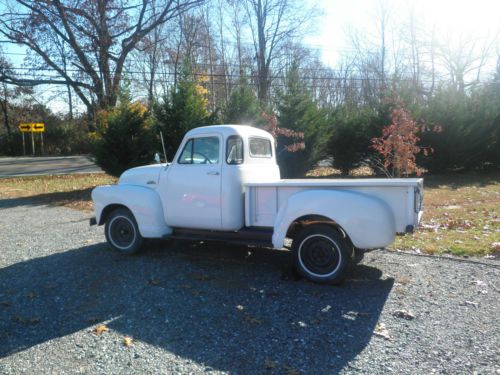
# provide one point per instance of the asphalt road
(37, 166)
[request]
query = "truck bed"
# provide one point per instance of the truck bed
(263, 200)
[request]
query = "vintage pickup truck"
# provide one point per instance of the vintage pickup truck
(224, 184)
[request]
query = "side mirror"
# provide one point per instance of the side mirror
(157, 158)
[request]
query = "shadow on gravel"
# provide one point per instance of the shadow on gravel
(230, 308)
(51, 199)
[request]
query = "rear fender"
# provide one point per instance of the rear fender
(144, 203)
(368, 221)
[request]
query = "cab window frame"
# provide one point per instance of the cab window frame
(242, 160)
(260, 156)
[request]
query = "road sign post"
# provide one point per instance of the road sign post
(32, 128)
(24, 145)
(33, 143)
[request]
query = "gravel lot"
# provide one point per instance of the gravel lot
(194, 308)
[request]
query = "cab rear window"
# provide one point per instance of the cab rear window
(260, 147)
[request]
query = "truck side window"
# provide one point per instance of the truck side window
(204, 150)
(187, 153)
(234, 150)
(260, 147)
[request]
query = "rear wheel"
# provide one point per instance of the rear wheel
(122, 232)
(322, 254)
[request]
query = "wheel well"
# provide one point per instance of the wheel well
(307, 220)
(107, 211)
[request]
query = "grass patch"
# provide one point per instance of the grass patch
(71, 190)
(460, 216)
(460, 211)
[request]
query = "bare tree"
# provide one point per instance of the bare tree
(272, 22)
(464, 58)
(100, 35)
(5, 95)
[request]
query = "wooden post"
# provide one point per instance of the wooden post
(41, 138)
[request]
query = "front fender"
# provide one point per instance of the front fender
(367, 220)
(144, 203)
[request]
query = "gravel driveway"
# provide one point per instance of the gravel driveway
(194, 308)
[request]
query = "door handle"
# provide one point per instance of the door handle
(213, 173)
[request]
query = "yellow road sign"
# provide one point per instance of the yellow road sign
(38, 128)
(25, 127)
(32, 127)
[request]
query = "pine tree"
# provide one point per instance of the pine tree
(297, 112)
(124, 138)
(184, 109)
(243, 106)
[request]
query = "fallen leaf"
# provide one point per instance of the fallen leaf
(127, 341)
(101, 329)
(50, 286)
(326, 309)
(240, 307)
(269, 364)
(290, 370)
(23, 320)
(252, 320)
(399, 290)
(201, 277)
(154, 282)
(471, 303)
(31, 295)
(404, 280)
(403, 314)
(360, 313)
(382, 331)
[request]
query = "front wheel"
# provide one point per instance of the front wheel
(122, 232)
(322, 254)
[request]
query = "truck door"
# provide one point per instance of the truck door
(191, 194)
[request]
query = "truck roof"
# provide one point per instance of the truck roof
(229, 129)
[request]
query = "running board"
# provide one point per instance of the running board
(247, 236)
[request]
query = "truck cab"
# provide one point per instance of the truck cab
(204, 186)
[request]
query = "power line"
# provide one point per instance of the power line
(349, 78)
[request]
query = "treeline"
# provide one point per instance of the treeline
(153, 66)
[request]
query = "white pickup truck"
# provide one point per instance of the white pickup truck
(224, 184)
